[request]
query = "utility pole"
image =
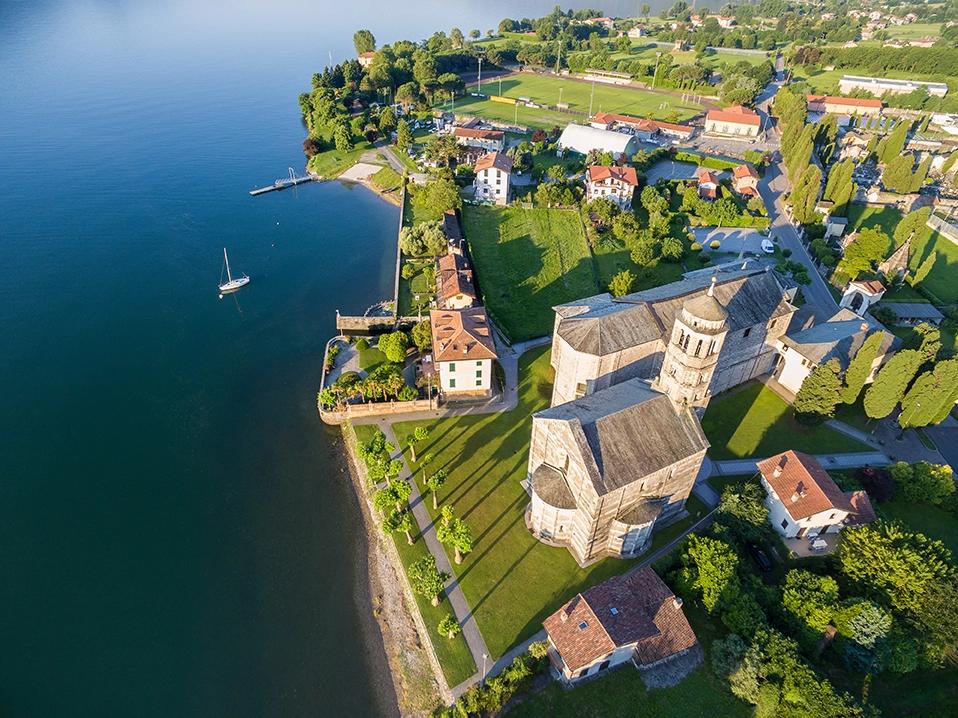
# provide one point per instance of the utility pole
(480, 75)
(560, 95)
(654, 72)
(591, 98)
(500, 85)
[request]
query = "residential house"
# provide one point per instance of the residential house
(493, 171)
(638, 31)
(803, 500)
(488, 140)
(745, 180)
(854, 146)
(681, 132)
(366, 59)
(631, 618)
(463, 350)
(839, 338)
(583, 139)
(615, 183)
(456, 242)
(604, 22)
(725, 22)
(733, 122)
(455, 288)
(827, 104)
(923, 42)
(708, 185)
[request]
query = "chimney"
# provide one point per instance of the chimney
(677, 602)
(794, 498)
(563, 617)
(864, 326)
(777, 472)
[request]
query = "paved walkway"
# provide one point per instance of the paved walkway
(470, 631)
(736, 467)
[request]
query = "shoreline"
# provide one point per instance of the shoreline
(412, 673)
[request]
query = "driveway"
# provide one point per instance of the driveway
(670, 170)
(946, 439)
(732, 239)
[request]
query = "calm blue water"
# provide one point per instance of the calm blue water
(177, 536)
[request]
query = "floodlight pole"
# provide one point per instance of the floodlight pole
(655, 72)
(480, 75)
(591, 98)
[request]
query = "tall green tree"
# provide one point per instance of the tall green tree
(364, 41)
(456, 534)
(387, 121)
(819, 394)
(394, 346)
(922, 482)
(812, 602)
(742, 512)
(426, 579)
(436, 482)
(931, 397)
(866, 250)
(804, 196)
(892, 382)
(840, 190)
(422, 336)
(621, 284)
(924, 269)
(892, 145)
(417, 437)
(860, 368)
(911, 223)
(395, 494)
(399, 521)
(710, 568)
(799, 158)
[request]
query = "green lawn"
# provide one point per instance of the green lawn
(913, 31)
(418, 286)
(929, 520)
(511, 580)
(414, 213)
(942, 281)
(331, 163)
(609, 262)
(544, 90)
(756, 422)
(371, 359)
(387, 178)
(527, 261)
(861, 217)
(854, 415)
(827, 80)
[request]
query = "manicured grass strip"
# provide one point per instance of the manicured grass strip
(528, 261)
(332, 163)
(387, 178)
(511, 580)
(418, 285)
(932, 521)
(941, 280)
(756, 422)
(864, 217)
(371, 358)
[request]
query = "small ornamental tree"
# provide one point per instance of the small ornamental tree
(394, 346)
(889, 387)
(923, 482)
(422, 336)
(395, 494)
(457, 534)
(449, 627)
(419, 435)
(819, 394)
(448, 513)
(426, 579)
(435, 482)
(860, 367)
(622, 283)
(399, 521)
(424, 462)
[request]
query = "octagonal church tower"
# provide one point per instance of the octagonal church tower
(693, 351)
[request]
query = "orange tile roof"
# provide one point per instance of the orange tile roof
(459, 334)
(802, 485)
(872, 286)
(849, 101)
(745, 171)
(479, 134)
(864, 511)
(618, 612)
(622, 174)
(455, 277)
(738, 115)
(494, 160)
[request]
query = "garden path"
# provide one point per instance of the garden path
(735, 467)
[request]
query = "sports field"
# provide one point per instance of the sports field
(545, 90)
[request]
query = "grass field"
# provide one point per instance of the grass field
(544, 89)
(913, 31)
(756, 422)
(332, 163)
(609, 262)
(418, 286)
(929, 520)
(387, 178)
(864, 217)
(527, 261)
(511, 580)
(827, 80)
(942, 281)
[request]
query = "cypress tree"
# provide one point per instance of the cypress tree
(918, 179)
(819, 394)
(925, 269)
(889, 387)
(931, 397)
(910, 224)
(949, 162)
(897, 175)
(801, 154)
(860, 367)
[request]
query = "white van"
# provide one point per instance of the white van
(768, 246)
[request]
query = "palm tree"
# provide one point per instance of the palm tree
(435, 483)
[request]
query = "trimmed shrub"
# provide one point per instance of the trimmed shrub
(715, 244)
(362, 345)
(696, 247)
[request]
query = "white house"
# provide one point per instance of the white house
(615, 183)
(803, 500)
(488, 140)
(859, 296)
(493, 171)
(635, 619)
(839, 338)
(733, 122)
(463, 350)
(582, 139)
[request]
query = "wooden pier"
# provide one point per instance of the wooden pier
(290, 181)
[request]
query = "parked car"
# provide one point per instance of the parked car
(768, 246)
(761, 559)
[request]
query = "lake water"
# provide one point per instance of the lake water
(177, 534)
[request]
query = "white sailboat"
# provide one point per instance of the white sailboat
(231, 284)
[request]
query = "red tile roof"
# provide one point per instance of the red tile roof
(745, 171)
(802, 485)
(872, 286)
(494, 135)
(851, 102)
(707, 178)
(455, 277)
(864, 511)
(681, 129)
(494, 160)
(460, 334)
(738, 115)
(622, 174)
(636, 610)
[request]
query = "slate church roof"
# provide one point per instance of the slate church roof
(626, 432)
(839, 338)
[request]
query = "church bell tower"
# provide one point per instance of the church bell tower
(693, 351)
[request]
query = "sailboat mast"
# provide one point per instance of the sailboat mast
(229, 276)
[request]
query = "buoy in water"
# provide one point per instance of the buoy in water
(221, 296)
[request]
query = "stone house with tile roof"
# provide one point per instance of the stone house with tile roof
(745, 180)
(625, 619)
(615, 183)
(493, 173)
(463, 350)
(455, 288)
(803, 500)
